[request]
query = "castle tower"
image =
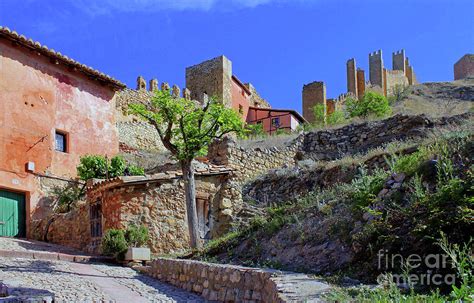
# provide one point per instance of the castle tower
(376, 69)
(398, 60)
(351, 76)
(360, 83)
(313, 93)
(464, 67)
(141, 83)
(213, 78)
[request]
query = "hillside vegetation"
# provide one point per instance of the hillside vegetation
(403, 206)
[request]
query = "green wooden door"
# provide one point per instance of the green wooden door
(12, 214)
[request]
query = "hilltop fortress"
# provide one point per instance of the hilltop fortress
(381, 80)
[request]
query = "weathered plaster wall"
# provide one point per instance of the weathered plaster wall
(38, 98)
(240, 99)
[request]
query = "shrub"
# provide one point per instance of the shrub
(117, 166)
(97, 166)
(407, 164)
(114, 243)
(366, 187)
(92, 167)
(136, 236)
(253, 131)
(319, 112)
(133, 170)
(370, 104)
(322, 119)
(399, 93)
(66, 197)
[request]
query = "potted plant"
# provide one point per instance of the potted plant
(127, 245)
(137, 237)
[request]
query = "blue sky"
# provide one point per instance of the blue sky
(278, 45)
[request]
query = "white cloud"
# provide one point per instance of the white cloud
(100, 7)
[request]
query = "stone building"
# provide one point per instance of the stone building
(464, 68)
(52, 111)
(214, 78)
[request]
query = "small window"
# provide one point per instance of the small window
(243, 93)
(241, 109)
(61, 141)
(276, 122)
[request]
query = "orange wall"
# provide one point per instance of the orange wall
(266, 116)
(38, 97)
(240, 97)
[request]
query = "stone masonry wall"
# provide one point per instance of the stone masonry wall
(139, 135)
(313, 93)
(160, 206)
(464, 68)
(228, 283)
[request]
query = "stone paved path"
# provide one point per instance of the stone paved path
(76, 282)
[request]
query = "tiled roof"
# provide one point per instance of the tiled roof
(13, 36)
(102, 184)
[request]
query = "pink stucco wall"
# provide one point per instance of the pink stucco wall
(38, 97)
(240, 97)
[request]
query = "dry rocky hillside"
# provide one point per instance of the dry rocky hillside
(438, 98)
(396, 185)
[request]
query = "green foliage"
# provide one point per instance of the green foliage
(335, 118)
(117, 166)
(133, 170)
(92, 167)
(370, 104)
(366, 186)
(66, 197)
(463, 260)
(459, 255)
(186, 127)
(136, 236)
(319, 112)
(304, 127)
(253, 131)
(114, 243)
(97, 166)
(399, 93)
(322, 119)
(407, 164)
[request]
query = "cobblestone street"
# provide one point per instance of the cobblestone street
(76, 282)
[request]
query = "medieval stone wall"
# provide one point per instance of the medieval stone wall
(352, 77)
(212, 78)
(313, 93)
(139, 135)
(464, 68)
(376, 68)
(394, 78)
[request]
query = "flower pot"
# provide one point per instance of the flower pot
(137, 254)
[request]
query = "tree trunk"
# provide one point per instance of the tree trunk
(190, 193)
